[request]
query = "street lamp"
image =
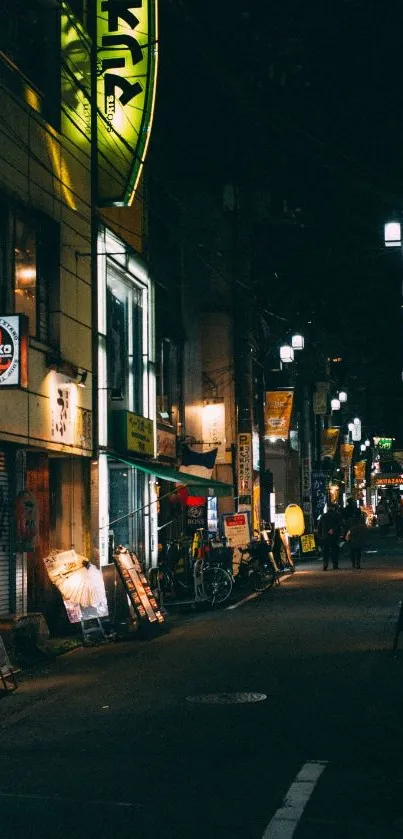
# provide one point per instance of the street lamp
(356, 430)
(335, 404)
(392, 234)
(286, 353)
(343, 396)
(297, 342)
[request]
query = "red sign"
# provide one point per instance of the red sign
(236, 529)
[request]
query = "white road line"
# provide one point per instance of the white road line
(285, 820)
(244, 600)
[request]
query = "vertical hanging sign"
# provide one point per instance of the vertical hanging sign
(245, 472)
(126, 80)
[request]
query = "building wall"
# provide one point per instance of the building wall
(45, 176)
(48, 173)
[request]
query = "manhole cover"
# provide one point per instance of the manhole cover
(226, 698)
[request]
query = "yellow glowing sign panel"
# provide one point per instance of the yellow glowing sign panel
(126, 78)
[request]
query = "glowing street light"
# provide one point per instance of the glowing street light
(343, 396)
(286, 353)
(335, 404)
(297, 342)
(392, 234)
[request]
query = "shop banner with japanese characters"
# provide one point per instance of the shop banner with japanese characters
(277, 414)
(346, 454)
(245, 470)
(330, 438)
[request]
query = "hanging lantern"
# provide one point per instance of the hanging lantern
(294, 520)
(342, 396)
(356, 431)
(297, 342)
(392, 234)
(286, 353)
(335, 404)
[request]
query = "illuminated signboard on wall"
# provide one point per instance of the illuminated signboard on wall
(13, 351)
(75, 91)
(385, 443)
(126, 80)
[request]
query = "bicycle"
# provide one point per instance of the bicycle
(256, 564)
(199, 577)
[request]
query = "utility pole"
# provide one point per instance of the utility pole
(243, 351)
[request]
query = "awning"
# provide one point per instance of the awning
(206, 488)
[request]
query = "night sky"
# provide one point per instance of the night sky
(304, 99)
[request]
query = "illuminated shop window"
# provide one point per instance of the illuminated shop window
(35, 271)
(167, 382)
(124, 307)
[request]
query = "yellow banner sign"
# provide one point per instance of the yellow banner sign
(126, 80)
(140, 434)
(346, 454)
(277, 415)
(330, 437)
(359, 470)
(308, 543)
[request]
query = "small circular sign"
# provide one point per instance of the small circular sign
(8, 350)
(226, 698)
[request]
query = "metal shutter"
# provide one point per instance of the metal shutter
(4, 538)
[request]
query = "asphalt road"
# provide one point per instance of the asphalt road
(145, 739)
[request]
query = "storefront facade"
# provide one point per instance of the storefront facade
(125, 496)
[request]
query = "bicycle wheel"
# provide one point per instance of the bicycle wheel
(217, 584)
(263, 577)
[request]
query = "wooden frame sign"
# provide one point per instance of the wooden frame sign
(138, 590)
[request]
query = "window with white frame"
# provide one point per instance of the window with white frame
(124, 339)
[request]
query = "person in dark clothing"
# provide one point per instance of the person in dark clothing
(356, 537)
(329, 532)
(349, 510)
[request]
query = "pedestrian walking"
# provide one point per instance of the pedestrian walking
(348, 511)
(356, 537)
(329, 533)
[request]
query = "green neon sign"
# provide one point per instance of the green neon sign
(126, 82)
(75, 91)
(385, 442)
